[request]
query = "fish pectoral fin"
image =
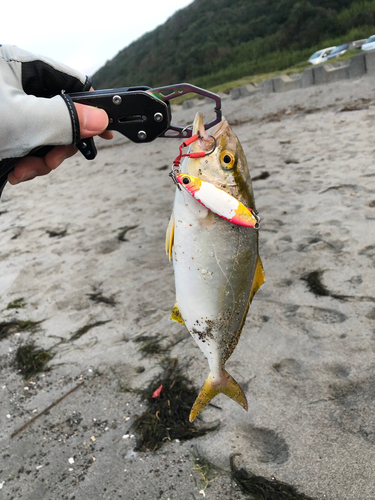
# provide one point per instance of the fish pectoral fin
(226, 385)
(176, 315)
(169, 237)
(259, 278)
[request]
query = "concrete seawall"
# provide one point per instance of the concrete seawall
(361, 64)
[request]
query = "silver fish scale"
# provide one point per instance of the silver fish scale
(214, 264)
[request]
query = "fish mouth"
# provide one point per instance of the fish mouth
(206, 139)
(198, 126)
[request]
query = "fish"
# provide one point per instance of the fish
(217, 267)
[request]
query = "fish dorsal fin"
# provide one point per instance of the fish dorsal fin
(176, 315)
(169, 237)
(258, 278)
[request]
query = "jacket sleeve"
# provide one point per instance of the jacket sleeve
(34, 108)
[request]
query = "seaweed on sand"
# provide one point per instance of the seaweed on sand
(84, 329)
(16, 304)
(261, 488)
(315, 285)
(98, 297)
(167, 416)
(56, 234)
(123, 230)
(151, 345)
(13, 326)
(30, 360)
(207, 471)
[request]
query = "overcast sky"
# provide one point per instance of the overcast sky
(83, 37)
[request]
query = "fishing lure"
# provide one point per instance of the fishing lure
(218, 201)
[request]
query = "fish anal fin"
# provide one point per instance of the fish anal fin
(169, 237)
(176, 315)
(258, 281)
(211, 388)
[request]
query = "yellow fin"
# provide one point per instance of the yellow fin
(226, 385)
(259, 278)
(258, 281)
(176, 315)
(169, 237)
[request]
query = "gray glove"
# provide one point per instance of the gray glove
(34, 109)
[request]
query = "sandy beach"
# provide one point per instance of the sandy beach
(84, 277)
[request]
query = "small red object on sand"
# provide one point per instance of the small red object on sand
(156, 394)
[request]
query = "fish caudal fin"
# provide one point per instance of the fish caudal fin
(225, 385)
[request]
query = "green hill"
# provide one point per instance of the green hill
(214, 41)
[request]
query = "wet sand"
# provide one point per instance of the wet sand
(84, 250)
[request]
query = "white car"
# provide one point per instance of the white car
(320, 55)
(369, 44)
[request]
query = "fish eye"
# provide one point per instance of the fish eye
(186, 180)
(227, 159)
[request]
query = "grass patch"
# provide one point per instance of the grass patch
(30, 360)
(345, 57)
(257, 79)
(225, 88)
(167, 416)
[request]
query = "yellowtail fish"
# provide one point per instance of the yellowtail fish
(216, 262)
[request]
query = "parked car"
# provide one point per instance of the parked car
(370, 43)
(339, 50)
(320, 55)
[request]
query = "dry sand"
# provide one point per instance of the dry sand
(306, 361)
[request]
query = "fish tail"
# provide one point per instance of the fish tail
(226, 385)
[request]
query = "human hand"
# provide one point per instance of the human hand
(93, 121)
(36, 110)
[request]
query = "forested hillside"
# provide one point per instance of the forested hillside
(214, 41)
